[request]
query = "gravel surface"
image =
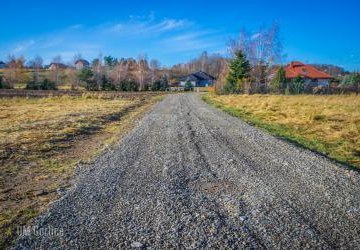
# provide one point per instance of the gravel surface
(191, 176)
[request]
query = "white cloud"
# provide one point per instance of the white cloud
(191, 41)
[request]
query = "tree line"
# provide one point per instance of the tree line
(104, 73)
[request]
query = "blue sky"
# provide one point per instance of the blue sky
(176, 31)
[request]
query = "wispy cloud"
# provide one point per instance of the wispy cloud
(255, 35)
(169, 38)
(51, 42)
(75, 26)
(23, 46)
(192, 41)
(146, 28)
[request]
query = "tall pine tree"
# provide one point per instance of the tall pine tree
(239, 69)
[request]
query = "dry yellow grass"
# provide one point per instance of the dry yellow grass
(328, 124)
(42, 139)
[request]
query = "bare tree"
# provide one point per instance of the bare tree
(131, 66)
(98, 70)
(120, 71)
(57, 69)
(154, 67)
(211, 64)
(142, 70)
(37, 64)
(222, 76)
(57, 59)
(77, 56)
(203, 60)
(263, 49)
(14, 70)
(72, 77)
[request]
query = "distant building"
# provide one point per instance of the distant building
(82, 64)
(312, 76)
(55, 66)
(198, 79)
(2, 65)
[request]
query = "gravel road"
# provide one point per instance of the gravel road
(191, 176)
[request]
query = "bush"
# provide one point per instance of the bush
(296, 86)
(351, 79)
(107, 84)
(46, 84)
(4, 84)
(235, 87)
(278, 83)
(91, 85)
(320, 90)
(87, 76)
(188, 86)
(128, 85)
(160, 85)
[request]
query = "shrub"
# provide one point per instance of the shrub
(278, 83)
(46, 84)
(4, 84)
(296, 86)
(160, 85)
(91, 85)
(188, 86)
(351, 79)
(107, 84)
(85, 75)
(128, 85)
(156, 86)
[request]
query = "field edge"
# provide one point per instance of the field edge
(127, 123)
(279, 131)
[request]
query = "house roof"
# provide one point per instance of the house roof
(295, 69)
(197, 76)
(82, 61)
(190, 78)
(60, 65)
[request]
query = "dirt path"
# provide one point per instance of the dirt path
(192, 176)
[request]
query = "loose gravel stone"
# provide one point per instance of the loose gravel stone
(136, 244)
(191, 176)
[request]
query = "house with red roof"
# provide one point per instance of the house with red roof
(312, 76)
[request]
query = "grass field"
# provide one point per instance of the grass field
(326, 124)
(42, 140)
